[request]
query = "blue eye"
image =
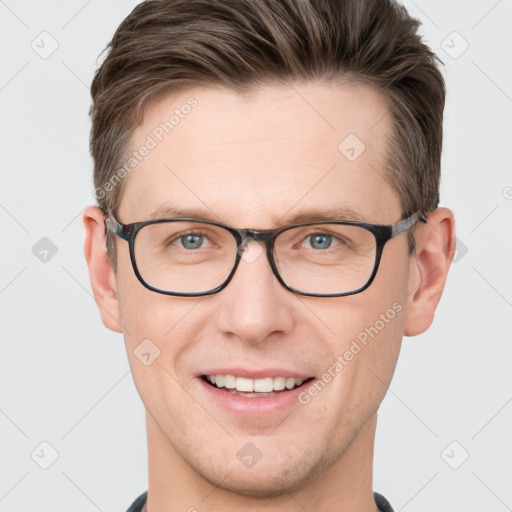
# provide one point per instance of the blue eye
(320, 241)
(191, 241)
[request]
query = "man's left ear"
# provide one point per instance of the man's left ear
(429, 265)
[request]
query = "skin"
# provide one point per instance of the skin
(252, 160)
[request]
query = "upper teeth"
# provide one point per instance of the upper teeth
(265, 385)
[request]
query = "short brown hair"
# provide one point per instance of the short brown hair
(166, 45)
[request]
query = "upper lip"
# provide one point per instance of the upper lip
(256, 374)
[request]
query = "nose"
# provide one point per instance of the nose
(254, 305)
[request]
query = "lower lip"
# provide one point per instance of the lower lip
(254, 406)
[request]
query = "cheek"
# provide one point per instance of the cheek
(368, 333)
(158, 329)
(368, 340)
(171, 323)
(144, 313)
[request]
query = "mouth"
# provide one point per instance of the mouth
(255, 388)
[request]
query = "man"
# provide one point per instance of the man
(268, 229)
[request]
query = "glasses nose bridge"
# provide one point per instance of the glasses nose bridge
(255, 235)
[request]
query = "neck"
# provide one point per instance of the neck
(344, 485)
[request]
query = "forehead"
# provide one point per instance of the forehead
(250, 159)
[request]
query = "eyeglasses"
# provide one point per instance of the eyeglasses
(190, 257)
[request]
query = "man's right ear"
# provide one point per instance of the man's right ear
(101, 273)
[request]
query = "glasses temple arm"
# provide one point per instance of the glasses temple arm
(112, 225)
(402, 225)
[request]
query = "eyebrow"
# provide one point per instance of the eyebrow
(342, 212)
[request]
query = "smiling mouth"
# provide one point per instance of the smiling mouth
(243, 386)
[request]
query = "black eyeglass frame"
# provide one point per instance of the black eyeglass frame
(382, 233)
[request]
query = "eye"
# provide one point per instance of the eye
(190, 240)
(318, 241)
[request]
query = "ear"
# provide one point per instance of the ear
(435, 248)
(101, 273)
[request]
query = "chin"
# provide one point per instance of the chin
(269, 478)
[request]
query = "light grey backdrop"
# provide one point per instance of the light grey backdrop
(444, 441)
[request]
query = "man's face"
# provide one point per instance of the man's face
(254, 161)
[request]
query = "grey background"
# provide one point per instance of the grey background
(64, 378)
